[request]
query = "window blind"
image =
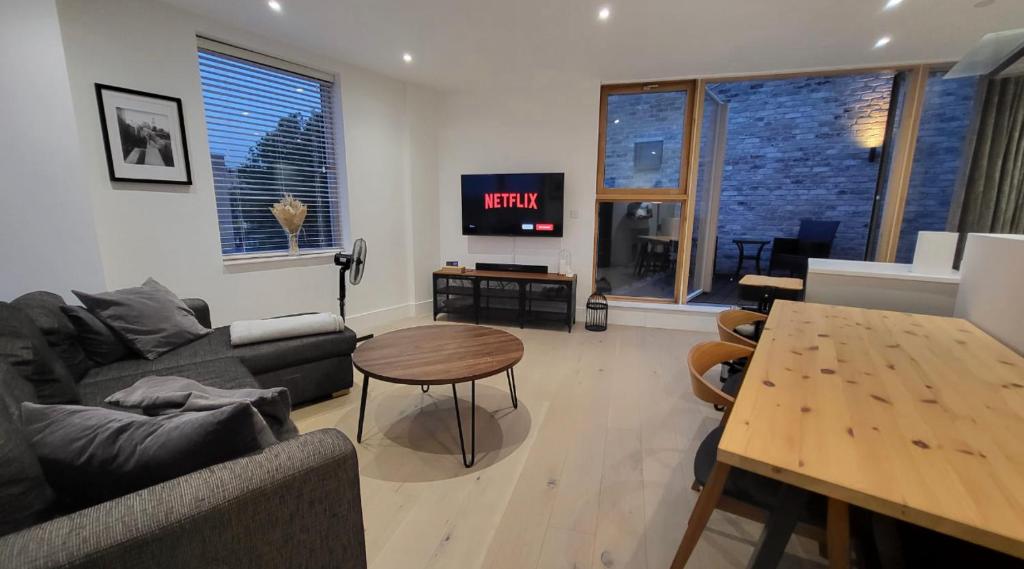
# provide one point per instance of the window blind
(271, 132)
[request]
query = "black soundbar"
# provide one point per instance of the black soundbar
(512, 267)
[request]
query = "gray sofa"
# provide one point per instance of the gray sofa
(311, 367)
(296, 504)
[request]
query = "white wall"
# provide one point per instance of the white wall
(424, 237)
(170, 232)
(548, 124)
(47, 234)
(991, 276)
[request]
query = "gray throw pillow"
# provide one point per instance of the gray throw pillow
(25, 497)
(23, 347)
(45, 310)
(92, 454)
(150, 318)
(100, 343)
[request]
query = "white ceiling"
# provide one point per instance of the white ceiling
(460, 43)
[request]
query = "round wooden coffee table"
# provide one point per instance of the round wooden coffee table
(440, 355)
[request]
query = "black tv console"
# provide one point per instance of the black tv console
(521, 295)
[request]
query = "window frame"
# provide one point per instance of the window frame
(677, 192)
(679, 254)
(333, 141)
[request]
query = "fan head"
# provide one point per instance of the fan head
(358, 257)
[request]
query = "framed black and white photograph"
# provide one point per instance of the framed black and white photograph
(144, 136)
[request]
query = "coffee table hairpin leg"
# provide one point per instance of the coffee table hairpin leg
(510, 374)
(362, 408)
(472, 429)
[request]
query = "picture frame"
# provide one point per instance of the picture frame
(647, 155)
(144, 136)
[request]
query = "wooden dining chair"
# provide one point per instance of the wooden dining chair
(705, 356)
(730, 320)
(736, 491)
(730, 325)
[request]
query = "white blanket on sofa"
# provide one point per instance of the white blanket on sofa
(254, 331)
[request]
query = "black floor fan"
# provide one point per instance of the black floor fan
(356, 263)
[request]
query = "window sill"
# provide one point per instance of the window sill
(666, 306)
(316, 256)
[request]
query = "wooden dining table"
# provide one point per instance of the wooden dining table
(916, 417)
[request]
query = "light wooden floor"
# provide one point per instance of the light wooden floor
(593, 470)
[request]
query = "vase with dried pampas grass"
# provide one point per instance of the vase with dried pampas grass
(290, 213)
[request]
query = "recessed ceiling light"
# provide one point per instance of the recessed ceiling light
(274, 5)
(245, 113)
(892, 4)
(604, 13)
(883, 41)
(407, 57)
(616, 121)
(300, 90)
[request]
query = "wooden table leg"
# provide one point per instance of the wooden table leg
(838, 530)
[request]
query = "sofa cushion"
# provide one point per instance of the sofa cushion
(25, 496)
(270, 356)
(90, 455)
(150, 318)
(45, 310)
(24, 348)
(223, 373)
(98, 341)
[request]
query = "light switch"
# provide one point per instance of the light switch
(574, 214)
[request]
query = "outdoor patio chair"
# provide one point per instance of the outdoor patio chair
(814, 240)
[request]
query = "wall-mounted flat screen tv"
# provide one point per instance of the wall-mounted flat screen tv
(513, 204)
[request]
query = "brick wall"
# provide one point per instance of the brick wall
(799, 148)
(645, 117)
(940, 143)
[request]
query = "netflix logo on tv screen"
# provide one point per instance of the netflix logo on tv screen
(513, 204)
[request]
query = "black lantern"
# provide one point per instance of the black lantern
(597, 313)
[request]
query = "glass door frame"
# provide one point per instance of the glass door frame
(714, 171)
(898, 182)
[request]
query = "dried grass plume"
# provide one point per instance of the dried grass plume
(290, 213)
